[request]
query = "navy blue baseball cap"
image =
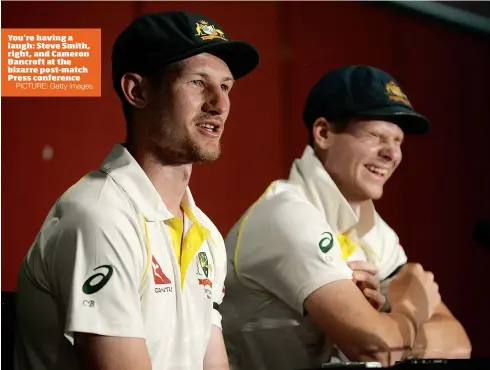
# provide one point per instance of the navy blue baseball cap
(158, 39)
(362, 92)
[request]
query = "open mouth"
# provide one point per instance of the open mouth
(378, 171)
(209, 127)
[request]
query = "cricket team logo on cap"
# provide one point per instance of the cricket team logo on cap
(208, 32)
(395, 93)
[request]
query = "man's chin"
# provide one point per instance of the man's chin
(369, 192)
(375, 194)
(207, 155)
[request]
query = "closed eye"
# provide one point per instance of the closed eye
(384, 139)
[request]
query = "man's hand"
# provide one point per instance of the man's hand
(366, 278)
(413, 290)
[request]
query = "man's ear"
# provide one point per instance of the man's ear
(135, 90)
(322, 132)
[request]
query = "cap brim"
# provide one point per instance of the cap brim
(409, 121)
(240, 56)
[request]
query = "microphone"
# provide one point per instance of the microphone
(481, 233)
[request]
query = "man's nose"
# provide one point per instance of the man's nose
(391, 152)
(217, 102)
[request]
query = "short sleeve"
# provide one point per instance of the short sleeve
(219, 285)
(218, 251)
(286, 248)
(390, 253)
(96, 262)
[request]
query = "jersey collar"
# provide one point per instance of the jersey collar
(121, 166)
(309, 173)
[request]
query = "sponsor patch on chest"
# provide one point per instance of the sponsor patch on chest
(162, 283)
(204, 272)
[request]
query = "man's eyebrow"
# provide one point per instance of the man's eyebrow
(206, 75)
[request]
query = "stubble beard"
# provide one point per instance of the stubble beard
(176, 148)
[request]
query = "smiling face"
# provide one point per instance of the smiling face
(361, 158)
(186, 114)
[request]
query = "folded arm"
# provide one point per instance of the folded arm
(359, 330)
(442, 336)
(298, 259)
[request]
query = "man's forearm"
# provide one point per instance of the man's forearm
(442, 337)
